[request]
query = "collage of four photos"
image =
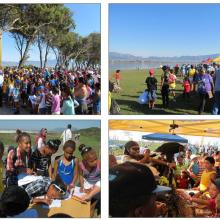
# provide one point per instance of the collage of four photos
(159, 96)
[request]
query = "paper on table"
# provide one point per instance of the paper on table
(56, 203)
(74, 192)
(77, 192)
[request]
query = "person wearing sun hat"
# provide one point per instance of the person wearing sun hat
(151, 82)
(132, 191)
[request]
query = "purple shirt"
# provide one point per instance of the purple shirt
(205, 83)
(55, 103)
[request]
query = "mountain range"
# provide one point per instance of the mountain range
(120, 57)
(50, 63)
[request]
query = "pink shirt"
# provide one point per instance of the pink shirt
(55, 103)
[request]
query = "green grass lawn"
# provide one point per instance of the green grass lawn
(133, 84)
(88, 137)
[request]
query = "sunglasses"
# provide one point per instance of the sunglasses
(61, 191)
(86, 149)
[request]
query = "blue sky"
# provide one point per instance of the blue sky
(164, 29)
(49, 124)
(87, 20)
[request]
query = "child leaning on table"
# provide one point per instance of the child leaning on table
(67, 165)
(90, 172)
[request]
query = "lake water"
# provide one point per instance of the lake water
(137, 65)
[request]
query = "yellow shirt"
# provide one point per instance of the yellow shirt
(1, 176)
(205, 180)
(192, 72)
(109, 100)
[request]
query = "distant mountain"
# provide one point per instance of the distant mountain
(120, 57)
(93, 131)
(50, 63)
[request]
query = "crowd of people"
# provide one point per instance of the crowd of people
(31, 172)
(198, 82)
(50, 91)
(193, 178)
(201, 79)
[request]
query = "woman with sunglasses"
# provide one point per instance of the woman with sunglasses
(132, 154)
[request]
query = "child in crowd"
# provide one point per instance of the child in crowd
(172, 83)
(40, 160)
(90, 172)
(42, 101)
(183, 180)
(186, 86)
(10, 91)
(69, 104)
(165, 87)
(40, 138)
(1, 167)
(18, 159)
(193, 168)
(211, 202)
(67, 166)
(97, 100)
(5, 91)
(16, 97)
(208, 174)
(151, 82)
(55, 101)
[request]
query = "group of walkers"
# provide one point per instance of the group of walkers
(137, 173)
(49, 91)
(31, 172)
(203, 80)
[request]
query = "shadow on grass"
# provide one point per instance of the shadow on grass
(136, 108)
(180, 107)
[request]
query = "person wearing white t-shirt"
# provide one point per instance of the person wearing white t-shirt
(67, 134)
(42, 101)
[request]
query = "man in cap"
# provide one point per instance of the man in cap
(132, 191)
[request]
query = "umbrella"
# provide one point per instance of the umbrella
(216, 60)
(208, 61)
(165, 137)
(169, 149)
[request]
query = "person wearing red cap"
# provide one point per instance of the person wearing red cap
(117, 77)
(151, 82)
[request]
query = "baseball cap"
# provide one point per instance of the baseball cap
(151, 71)
(129, 180)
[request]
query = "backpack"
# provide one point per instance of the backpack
(115, 108)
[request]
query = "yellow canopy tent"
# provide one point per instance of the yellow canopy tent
(208, 128)
(216, 60)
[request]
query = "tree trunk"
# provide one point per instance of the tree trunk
(40, 50)
(25, 54)
(46, 55)
(1, 47)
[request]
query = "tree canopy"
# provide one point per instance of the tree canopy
(50, 27)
